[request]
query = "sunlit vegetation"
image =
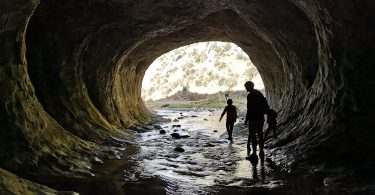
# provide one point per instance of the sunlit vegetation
(207, 67)
(210, 103)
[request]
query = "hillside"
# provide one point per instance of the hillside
(187, 99)
(208, 67)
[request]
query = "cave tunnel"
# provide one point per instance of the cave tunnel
(71, 75)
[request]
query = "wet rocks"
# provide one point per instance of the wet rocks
(215, 131)
(179, 149)
(97, 160)
(176, 135)
(162, 131)
(208, 144)
(157, 127)
(176, 126)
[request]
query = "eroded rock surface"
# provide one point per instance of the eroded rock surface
(71, 74)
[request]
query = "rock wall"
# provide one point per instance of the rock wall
(71, 73)
(33, 143)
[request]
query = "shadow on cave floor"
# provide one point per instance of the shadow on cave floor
(208, 164)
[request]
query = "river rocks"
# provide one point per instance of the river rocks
(215, 131)
(179, 149)
(209, 144)
(176, 135)
(157, 127)
(162, 131)
(176, 126)
(175, 120)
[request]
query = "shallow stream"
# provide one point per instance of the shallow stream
(204, 163)
(209, 163)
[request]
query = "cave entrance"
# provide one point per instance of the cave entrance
(198, 76)
(190, 86)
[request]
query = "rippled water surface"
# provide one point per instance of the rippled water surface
(209, 163)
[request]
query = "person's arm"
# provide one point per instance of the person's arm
(246, 118)
(247, 111)
(265, 102)
(222, 114)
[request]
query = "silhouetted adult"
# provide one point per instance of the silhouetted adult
(256, 108)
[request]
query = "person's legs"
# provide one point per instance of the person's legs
(259, 130)
(231, 124)
(252, 133)
(254, 142)
(227, 125)
(248, 141)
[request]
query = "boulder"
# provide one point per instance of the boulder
(179, 149)
(176, 135)
(162, 131)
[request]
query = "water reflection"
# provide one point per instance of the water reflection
(209, 162)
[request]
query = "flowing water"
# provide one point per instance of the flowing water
(209, 163)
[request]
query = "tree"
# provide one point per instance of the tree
(227, 47)
(250, 73)
(185, 88)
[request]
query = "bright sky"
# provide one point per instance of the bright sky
(174, 61)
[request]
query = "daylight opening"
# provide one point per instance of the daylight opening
(200, 72)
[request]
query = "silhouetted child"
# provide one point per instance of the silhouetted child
(272, 123)
(231, 118)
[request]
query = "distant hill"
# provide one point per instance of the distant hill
(187, 99)
(207, 67)
(191, 96)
